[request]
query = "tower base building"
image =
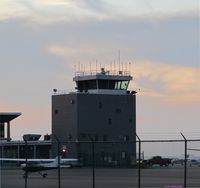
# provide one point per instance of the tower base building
(99, 118)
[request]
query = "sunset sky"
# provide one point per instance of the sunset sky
(41, 42)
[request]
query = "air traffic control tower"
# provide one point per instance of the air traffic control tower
(100, 110)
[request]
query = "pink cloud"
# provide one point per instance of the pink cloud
(173, 83)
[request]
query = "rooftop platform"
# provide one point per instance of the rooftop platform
(102, 75)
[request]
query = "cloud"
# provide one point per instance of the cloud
(172, 40)
(83, 53)
(173, 83)
(63, 51)
(176, 84)
(97, 5)
(49, 11)
(69, 11)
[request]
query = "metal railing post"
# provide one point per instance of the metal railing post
(139, 164)
(185, 162)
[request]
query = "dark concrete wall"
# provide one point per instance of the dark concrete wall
(112, 116)
(107, 116)
(64, 122)
(64, 117)
(74, 116)
(104, 117)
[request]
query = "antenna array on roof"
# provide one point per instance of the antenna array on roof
(123, 68)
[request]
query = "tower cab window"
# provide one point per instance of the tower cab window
(106, 84)
(121, 85)
(85, 85)
(112, 84)
(102, 84)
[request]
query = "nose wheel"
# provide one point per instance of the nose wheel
(44, 175)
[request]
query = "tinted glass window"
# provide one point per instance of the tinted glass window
(85, 85)
(124, 85)
(121, 85)
(118, 85)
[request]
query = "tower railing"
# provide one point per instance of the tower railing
(103, 72)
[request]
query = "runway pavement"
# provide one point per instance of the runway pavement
(156, 177)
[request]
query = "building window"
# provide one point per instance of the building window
(103, 155)
(56, 111)
(72, 101)
(124, 85)
(123, 154)
(100, 105)
(105, 138)
(118, 110)
(83, 135)
(96, 138)
(126, 138)
(121, 85)
(69, 136)
(130, 121)
(109, 121)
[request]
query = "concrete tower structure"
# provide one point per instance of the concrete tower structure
(101, 110)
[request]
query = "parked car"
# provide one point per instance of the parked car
(158, 160)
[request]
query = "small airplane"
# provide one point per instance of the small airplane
(39, 165)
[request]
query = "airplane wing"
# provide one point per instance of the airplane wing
(64, 160)
(12, 159)
(24, 160)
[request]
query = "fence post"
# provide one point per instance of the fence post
(139, 165)
(93, 162)
(26, 161)
(185, 162)
(26, 167)
(58, 153)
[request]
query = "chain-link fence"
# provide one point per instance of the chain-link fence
(142, 163)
